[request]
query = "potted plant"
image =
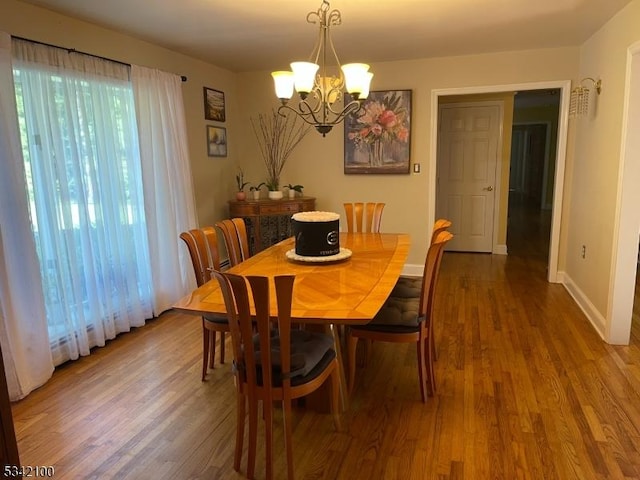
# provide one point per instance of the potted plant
(256, 190)
(293, 189)
(240, 194)
(277, 136)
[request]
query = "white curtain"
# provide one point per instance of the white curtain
(168, 189)
(90, 215)
(23, 324)
(84, 181)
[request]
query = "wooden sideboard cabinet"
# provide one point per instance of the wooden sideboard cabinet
(269, 221)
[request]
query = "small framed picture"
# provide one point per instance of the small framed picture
(214, 105)
(216, 141)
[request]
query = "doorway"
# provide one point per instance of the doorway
(557, 170)
(531, 179)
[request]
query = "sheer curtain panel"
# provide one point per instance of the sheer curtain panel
(168, 188)
(84, 184)
(23, 324)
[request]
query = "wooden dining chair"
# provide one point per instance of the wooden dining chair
(408, 287)
(202, 244)
(297, 362)
(236, 240)
(411, 287)
(367, 216)
(406, 320)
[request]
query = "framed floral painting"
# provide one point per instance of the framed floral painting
(377, 138)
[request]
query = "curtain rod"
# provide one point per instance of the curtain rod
(73, 50)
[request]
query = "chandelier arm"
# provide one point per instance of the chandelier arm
(352, 107)
(304, 116)
(311, 119)
(305, 107)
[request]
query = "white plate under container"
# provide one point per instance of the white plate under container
(342, 255)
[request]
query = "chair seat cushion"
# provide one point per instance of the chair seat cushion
(307, 349)
(396, 315)
(319, 367)
(216, 318)
(407, 287)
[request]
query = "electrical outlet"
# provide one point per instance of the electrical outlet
(584, 251)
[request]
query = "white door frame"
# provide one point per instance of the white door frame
(627, 221)
(558, 189)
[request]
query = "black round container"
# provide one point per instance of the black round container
(315, 238)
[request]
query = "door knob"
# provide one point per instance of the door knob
(489, 188)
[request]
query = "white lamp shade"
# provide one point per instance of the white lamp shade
(304, 75)
(283, 81)
(355, 77)
(367, 85)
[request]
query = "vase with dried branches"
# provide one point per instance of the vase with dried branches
(277, 136)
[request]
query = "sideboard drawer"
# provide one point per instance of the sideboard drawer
(244, 209)
(282, 208)
(268, 221)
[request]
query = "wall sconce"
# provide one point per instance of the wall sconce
(579, 102)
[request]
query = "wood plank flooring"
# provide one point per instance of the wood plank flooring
(526, 390)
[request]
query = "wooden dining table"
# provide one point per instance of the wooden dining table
(345, 292)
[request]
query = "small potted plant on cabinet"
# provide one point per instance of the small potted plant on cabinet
(240, 194)
(274, 190)
(293, 189)
(256, 190)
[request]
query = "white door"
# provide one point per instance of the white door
(469, 139)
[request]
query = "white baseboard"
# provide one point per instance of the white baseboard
(592, 314)
(412, 270)
(500, 249)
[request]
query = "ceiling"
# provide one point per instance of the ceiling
(248, 35)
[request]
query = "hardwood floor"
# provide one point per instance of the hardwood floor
(526, 389)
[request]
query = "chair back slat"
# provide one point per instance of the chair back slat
(348, 208)
(243, 239)
(364, 217)
(236, 240)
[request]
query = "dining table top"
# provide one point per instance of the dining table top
(348, 291)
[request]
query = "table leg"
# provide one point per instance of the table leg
(319, 400)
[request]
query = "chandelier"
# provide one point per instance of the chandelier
(320, 91)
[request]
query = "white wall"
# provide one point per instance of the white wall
(595, 197)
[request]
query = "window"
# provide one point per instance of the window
(80, 147)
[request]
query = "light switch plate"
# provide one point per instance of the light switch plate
(416, 168)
